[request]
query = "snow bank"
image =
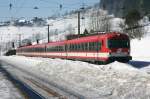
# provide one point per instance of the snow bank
(115, 80)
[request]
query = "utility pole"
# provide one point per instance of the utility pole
(99, 3)
(48, 33)
(19, 40)
(0, 50)
(13, 45)
(78, 22)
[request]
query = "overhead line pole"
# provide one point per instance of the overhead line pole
(48, 33)
(19, 40)
(78, 22)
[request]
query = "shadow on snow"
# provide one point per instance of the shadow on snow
(139, 64)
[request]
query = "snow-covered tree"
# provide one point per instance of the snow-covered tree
(134, 28)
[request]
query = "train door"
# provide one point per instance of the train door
(98, 49)
(66, 50)
(45, 50)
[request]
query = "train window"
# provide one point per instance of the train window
(55, 48)
(86, 46)
(78, 47)
(50, 48)
(40, 49)
(90, 46)
(98, 46)
(94, 46)
(72, 47)
(67, 47)
(35, 49)
(75, 47)
(61, 48)
(58, 48)
(118, 44)
(83, 46)
(102, 42)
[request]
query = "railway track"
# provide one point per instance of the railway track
(48, 93)
(40, 87)
(25, 91)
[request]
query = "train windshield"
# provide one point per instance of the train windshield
(114, 43)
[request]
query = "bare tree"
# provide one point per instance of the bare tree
(70, 29)
(36, 37)
(100, 21)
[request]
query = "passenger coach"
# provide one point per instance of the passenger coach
(100, 48)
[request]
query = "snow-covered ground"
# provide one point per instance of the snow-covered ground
(140, 49)
(115, 80)
(7, 89)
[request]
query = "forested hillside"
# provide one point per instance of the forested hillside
(121, 7)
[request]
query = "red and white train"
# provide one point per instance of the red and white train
(100, 48)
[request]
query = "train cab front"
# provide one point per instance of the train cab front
(119, 50)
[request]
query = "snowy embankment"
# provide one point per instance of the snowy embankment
(115, 80)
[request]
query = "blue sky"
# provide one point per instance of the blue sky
(25, 8)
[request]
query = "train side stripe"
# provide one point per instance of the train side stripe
(69, 54)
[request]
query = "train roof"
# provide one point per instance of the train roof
(88, 38)
(97, 36)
